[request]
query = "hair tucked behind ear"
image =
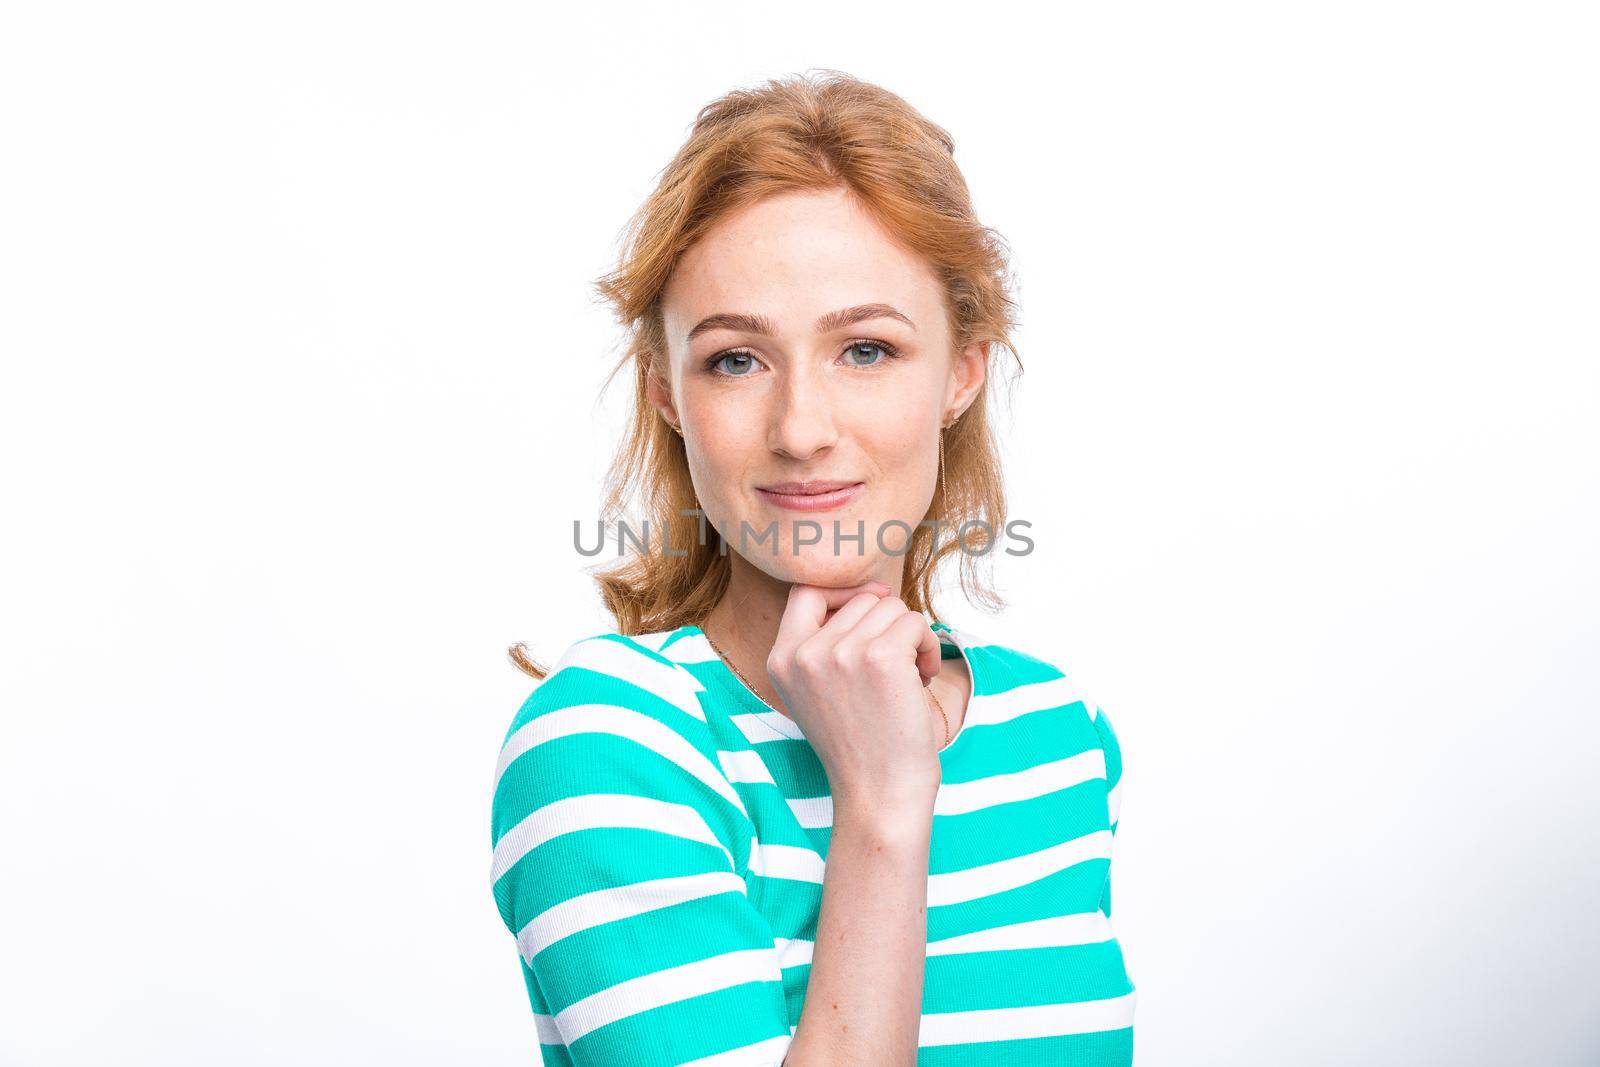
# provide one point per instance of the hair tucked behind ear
(819, 130)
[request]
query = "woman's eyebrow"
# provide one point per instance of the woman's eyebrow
(833, 320)
(838, 320)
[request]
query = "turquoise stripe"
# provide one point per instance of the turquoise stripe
(563, 866)
(566, 766)
(1113, 750)
(688, 1030)
(1109, 1048)
(1037, 737)
(1075, 889)
(1020, 828)
(602, 956)
(1014, 978)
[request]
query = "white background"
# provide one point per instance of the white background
(301, 375)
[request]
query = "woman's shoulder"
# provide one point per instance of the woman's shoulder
(1009, 664)
(615, 728)
(1014, 681)
(613, 714)
(614, 669)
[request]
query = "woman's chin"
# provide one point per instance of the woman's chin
(823, 569)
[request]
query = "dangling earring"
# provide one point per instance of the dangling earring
(944, 488)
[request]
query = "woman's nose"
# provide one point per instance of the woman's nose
(802, 419)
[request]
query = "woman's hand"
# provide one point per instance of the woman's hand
(851, 666)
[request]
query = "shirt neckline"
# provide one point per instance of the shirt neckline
(733, 686)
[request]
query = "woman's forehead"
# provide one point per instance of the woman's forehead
(792, 259)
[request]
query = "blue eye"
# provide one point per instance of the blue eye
(747, 358)
(740, 362)
(870, 346)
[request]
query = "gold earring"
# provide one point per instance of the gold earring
(944, 488)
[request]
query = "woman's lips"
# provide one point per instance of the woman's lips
(821, 497)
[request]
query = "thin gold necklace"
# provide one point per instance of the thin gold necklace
(740, 675)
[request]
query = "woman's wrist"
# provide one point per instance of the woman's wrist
(890, 818)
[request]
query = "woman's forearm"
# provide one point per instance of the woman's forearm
(863, 1001)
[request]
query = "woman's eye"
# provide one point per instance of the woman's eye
(734, 364)
(738, 364)
(872, 349)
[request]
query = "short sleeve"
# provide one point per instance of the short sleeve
(1113, 760)
(620, 851)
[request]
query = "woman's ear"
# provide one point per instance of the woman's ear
(966, 377)
(658, 391)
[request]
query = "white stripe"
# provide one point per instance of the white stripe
(664, 680)
(793, 952)
(545, 1026)
(966, 797)
(1042, 1020)
(812, 812)
(1087, 928)
(746, 766)
(953, 887)
(759, 726)
(618, 721)
(956, 887)
(691, 648)
(786, 861)
(652, 641)
(962, 638)
(1036, 781)
(597, 810)
(1030, 696)
(1114, 803)
(768, 1053)
(668, 987)
(601, 906)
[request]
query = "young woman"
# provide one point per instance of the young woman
(778, 815)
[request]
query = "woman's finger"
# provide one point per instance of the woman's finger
(891, 612)
(842, 621)
(809, 607)
(930, 656)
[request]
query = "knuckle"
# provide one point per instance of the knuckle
(778, 663)
(807, 658)
(880, 654)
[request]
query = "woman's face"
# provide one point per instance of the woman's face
(806, 344)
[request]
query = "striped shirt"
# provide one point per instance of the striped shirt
(660, 836)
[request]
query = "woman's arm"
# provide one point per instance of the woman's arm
(864, 999)
(619, 858)
(1113, 755)
(853, 674)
